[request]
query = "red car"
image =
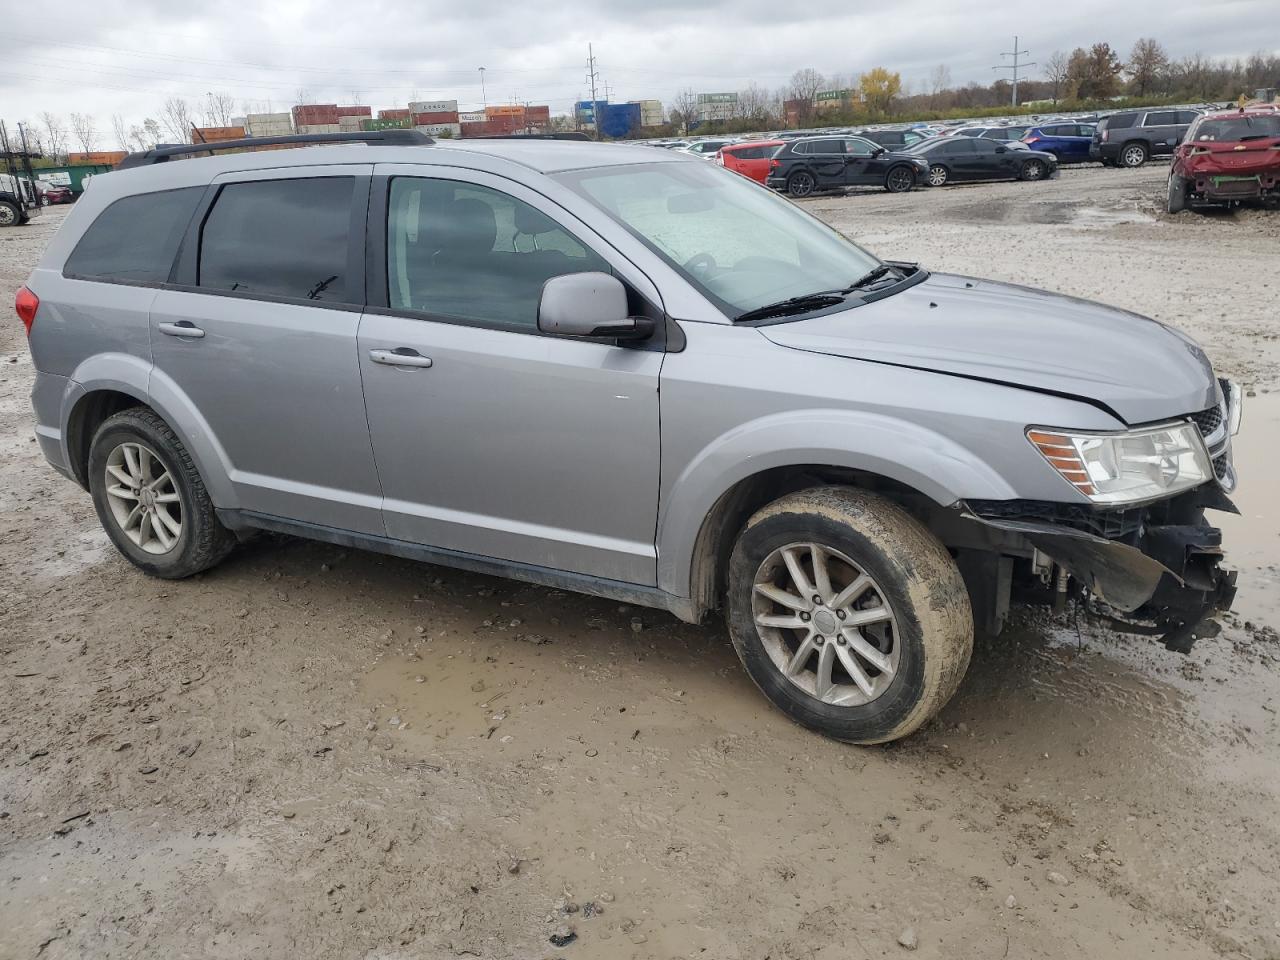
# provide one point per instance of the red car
(1227, 157)
(56, 193)
(751, 158)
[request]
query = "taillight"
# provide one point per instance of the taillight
(1105, 136)
(26, 303)
(1030, 140)
(774, 164)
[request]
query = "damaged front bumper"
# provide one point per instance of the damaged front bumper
(1159, 567)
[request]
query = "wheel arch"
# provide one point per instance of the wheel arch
(751, 466)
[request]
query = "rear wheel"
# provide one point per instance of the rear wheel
(9, 215)
(900, 179)
(938, 175)
(1133, 155)
(801, 184)
(1033, 170)
(1177, 193)
(150, 498)
(849, 615)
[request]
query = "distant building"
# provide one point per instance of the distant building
(650, 112)
(717, 106)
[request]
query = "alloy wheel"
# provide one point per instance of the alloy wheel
(143, 498)
(801, 185)
(1034, 170)
(901, 179)
(825, 623)
(937, 175)
(1133, 156)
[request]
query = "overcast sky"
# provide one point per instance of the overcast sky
(127, 56)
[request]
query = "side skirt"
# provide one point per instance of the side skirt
(641, 596)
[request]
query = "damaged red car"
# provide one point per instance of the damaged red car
(1226, 158)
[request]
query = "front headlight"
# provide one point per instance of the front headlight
(1145, 464)
(1234, 398)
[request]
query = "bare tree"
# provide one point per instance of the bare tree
(120, 131)
(304, 95)
(806, 83)
(684, 103)
(754, 103)
(218, 108)
(86, 133)
(55, 134)
(176, 117)
(1147, 65)
(1056, 71)
(939, 81)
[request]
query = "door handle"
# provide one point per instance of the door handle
(400, 357)
(182, 328)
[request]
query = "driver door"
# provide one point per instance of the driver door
(858, 162)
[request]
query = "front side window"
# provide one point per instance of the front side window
(464, 251)
(859, 148)
(740, 246)
(281, 238)
(135, 239)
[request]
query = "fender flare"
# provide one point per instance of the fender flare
(922, 459)
(135, 377)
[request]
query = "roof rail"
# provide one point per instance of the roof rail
(571, 135)
(163, 153)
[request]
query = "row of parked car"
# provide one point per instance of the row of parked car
(1209, 166)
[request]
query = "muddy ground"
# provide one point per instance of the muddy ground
(316, 752)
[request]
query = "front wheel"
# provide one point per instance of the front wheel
(1033, 170)
(801, 184)
(900, 180)
(9, 215)
(150, 498)
(938, 175)
(848, 614)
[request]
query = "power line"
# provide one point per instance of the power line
(1015, 66)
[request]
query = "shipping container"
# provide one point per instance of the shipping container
(313, 113)
(395, 114)
(354, 111)
(107, 158)
(472, 117)
(440, 116)
(619, 119)
(433, 106)
(507, 110)
(440, 129)
(216, 134)
(538, 113)
(74, 175)
(269, 124)
(350, 124)
(650, 112)
(319, 128)
(370, 124)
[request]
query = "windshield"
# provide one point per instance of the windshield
(741, 245)
(1230, 129)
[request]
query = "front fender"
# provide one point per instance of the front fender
(135, 377)
(922, 459)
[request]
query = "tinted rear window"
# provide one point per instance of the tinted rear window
(135, 238)
(1230, 129)
(1119, 122)
(1163, 118)
(283, 238)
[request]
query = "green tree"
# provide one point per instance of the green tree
(1094, 74)
(1147, 66)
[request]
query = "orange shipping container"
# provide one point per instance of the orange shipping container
(506, 111)
(217, 134)
(101, 158)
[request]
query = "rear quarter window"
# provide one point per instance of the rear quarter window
(135, 239)
(1120, 121)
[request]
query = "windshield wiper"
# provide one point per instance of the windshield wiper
(871, 276)
(810, 301)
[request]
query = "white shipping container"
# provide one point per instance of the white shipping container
(350, 124)
(269, 118)
(433, 106)
(319, 128)
(477, 117)
(436, 129)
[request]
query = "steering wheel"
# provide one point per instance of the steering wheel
(701, 263)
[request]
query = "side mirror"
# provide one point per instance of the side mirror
(879, 150)
(589, 305)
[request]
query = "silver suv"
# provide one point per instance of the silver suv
(621, 371)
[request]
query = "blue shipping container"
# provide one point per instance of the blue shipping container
(619, 119)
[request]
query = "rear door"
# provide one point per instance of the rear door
(825, 158)
(493, 439)
(1160, 127)
(258, 333)
(962, 155)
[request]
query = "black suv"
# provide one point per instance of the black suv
(823, 163)
(892, 139)
(1131, 138)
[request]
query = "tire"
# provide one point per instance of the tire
(10, 216)
(200, 541)
(900, 179)
(1033, 170)
(1133, 154)
(938, 175)
(1177, 193)
(925, 645)
(801, 184)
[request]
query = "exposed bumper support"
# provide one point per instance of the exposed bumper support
(1168, 580)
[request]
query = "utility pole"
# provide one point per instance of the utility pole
(1015, 66)
(483, 99)
(593, 77)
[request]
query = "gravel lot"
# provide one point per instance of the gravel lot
(315, 752)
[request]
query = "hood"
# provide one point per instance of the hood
(1137, 368)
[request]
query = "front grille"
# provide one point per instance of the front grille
(1220, 465)
(1207, 420)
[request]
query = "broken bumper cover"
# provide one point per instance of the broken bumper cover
(1163, 575)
